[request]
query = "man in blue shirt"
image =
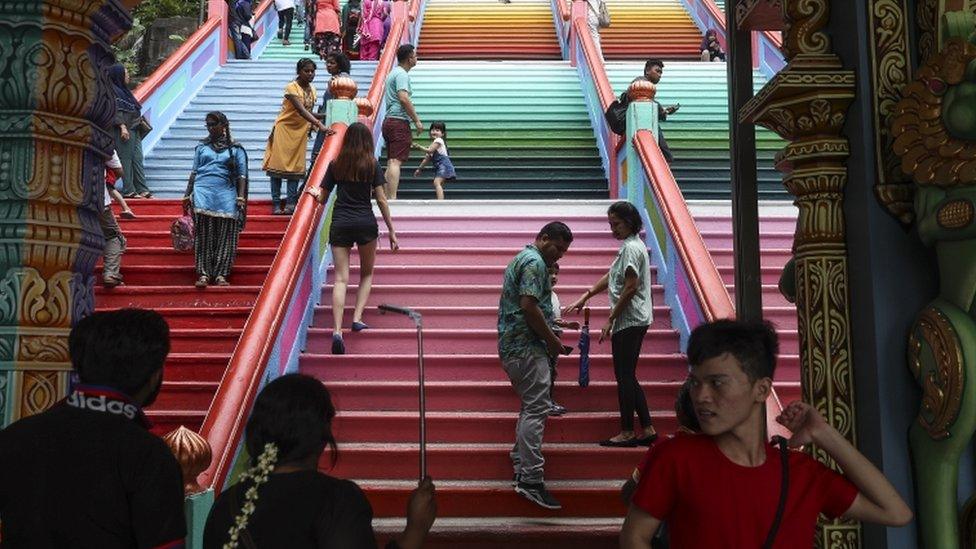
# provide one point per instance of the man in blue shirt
(525, 344)
(399, 112)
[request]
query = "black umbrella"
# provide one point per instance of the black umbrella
(584, 348)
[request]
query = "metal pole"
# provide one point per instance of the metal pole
(745, 192)
(418, 320)
(423, 398)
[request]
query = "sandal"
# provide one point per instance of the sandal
(131, 195)
(221, 281)
(146, 194)
(127, 215)
(202, 282)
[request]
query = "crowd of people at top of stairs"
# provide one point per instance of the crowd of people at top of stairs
(358, 30)
(716, 483)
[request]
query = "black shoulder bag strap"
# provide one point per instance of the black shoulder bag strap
(784, 489)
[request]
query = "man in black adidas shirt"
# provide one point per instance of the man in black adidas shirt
(87, 472)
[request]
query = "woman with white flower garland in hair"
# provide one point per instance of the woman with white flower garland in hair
(283, 500)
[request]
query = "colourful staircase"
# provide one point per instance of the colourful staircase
(204, 324)
(698, 133)
(450, 269)
(488, 29)
(516, 129)
(640, 29)
(250, 94)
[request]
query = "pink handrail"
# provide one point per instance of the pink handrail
(224, 424)
(705, 279)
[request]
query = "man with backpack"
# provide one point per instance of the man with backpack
(728, 477)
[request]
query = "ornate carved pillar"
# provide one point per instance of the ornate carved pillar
(54, 101)
(806, 104)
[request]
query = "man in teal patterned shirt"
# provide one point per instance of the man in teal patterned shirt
(525, 343)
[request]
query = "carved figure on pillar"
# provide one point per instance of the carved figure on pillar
(806, 104)
(934, 126)
(54, 103)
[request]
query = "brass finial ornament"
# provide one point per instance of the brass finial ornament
(642, 90)
(343, 87)
(193, 453)
(364, 106)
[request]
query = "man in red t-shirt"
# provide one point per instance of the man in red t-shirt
(721, 488)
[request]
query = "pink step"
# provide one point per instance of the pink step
(767, 224)
(492, 396)
(497, 499)
(484, 461)
(403, 367)
(498, 396)
(485, 316)
(471, 274)
(481, 427)
(459, 342)
(494, 237)
(409, 255)
(414, 295)
(524, 224)
(771, 239)
(774, 258)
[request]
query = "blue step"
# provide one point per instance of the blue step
(250, 93)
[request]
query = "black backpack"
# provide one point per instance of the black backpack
(616, 114)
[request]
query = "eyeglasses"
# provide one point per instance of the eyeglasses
(211, 124)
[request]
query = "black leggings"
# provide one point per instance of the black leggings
(626, 347)
(284, 22)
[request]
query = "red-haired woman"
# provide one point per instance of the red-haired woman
(356, 177)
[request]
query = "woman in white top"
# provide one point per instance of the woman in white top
(629, 285)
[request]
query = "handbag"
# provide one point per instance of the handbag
(616, 114)
(143, 126)
(603, 15)
(182, 232)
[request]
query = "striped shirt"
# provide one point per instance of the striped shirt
(633, 256)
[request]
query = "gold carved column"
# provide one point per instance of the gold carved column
(55, 100)
(806, 104)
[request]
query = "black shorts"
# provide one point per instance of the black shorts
(345, 237)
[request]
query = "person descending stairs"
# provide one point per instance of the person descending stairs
(698, 133)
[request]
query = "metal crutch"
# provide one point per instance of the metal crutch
(419, 322)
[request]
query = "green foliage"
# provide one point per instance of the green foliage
(149, 10)
(125, 50)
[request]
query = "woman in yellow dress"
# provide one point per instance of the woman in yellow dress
(284, 156)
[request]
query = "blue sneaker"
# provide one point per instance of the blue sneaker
(338, 346)
(359, 326)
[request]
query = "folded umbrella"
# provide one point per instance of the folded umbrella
(584, 348)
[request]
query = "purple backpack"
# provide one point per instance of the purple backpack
(181, 231)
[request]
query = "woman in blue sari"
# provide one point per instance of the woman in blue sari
(217, 190)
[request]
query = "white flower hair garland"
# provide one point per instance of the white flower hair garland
(259, 475)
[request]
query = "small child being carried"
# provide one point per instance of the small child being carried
(437, 154)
